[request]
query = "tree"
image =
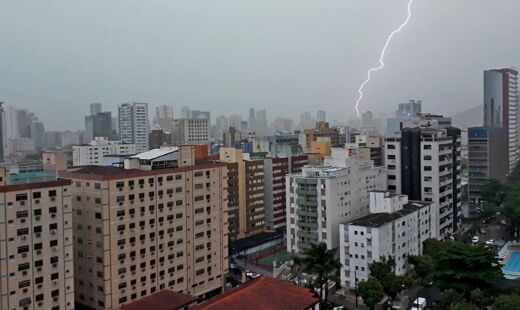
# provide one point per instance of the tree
(465, 268)
(371, 291)
(422, 265)
(511, 210)
(384, 272)
(494, 192)
(321, 262)
(464, 306)
(432, 247)
(489, 209)
(506, 302)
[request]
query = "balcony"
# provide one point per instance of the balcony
(313, 213)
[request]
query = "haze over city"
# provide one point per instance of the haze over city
(227, 56)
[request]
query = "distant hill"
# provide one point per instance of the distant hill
(469, 118)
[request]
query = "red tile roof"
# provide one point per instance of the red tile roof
(263, 293)
(163, 300)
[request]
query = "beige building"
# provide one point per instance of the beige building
(245, 181)
(36, 269)
(137, 232)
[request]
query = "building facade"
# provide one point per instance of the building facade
(137, 232)
(501, 107)
(134, 125)
(37, 269)
(395, 228)
(93, 153)
(192, 131)
(275, 170)
(249, 174)
(321, 197)
(487, 151)
(425, 164)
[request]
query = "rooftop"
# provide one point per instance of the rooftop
(155, 153)
(103, 173)
(379, 219)
(163, 300)
(34, 185)
(263, 293)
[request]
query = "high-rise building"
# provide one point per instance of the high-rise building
(164, 118)
(37, 257)
(2, 131)
(252, 120)
(191, 131)
(98, 125)
(247, 189)
(487, 151)
(96, 108)
(158, 138)
(393, 220)
(137, 232)
(406, 111)
(368, 147)
(235, 121)
(425, 164)
(321, 116)
(275, 170)
(501, 107)
(133, 125)
(321, 197)
(262, 125)
(185, 112)
(94, 152)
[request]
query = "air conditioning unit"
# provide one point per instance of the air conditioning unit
(38, 235)
(54, 248)
(24, 237)
(37, 218)
(53, 231)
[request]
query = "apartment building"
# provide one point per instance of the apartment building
(369, 147)
(275, 170)
(134, 125)
(487, 151)
(395, 228)
(94, 152)
(321, 197)
(425, 164)
(245, 181)
(36, 256)
(193, 131)
(321, 130)
(137, 232)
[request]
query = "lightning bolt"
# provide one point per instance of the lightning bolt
(381, 58)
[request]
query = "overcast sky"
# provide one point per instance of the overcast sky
(225, 56)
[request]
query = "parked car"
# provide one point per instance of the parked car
(482, 231)
(419, 304)
(490, 242)
(475, 239)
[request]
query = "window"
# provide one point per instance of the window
(52, 193)
(21, 197)
(37, 195)
(23, 249)
(21, 214)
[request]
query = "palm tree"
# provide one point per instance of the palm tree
(321, 262)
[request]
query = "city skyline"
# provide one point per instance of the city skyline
(88, 60)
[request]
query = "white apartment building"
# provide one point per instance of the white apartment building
(425, 164)
(320, 198)
(395, 227)
(134, 125)
(94, 152)
(191, 131)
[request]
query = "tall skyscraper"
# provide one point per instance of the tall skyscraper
(235, 120)
(262, 125)
(321, 116)
(252, 119)
(133, 125)
(164, 118)
(185, 112)
(501, 106)
(96, 108)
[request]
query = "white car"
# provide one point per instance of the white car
(252, 274)
(419, 304)
(475, 239)
(490, 242)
